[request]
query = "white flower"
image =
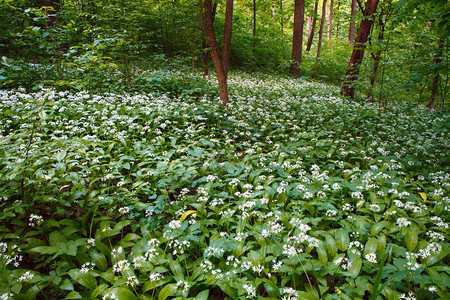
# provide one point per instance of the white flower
(174, 224)
(121, 266)
(27, 276)
(371, 257)
(87, 267)
(403, 222)
(251, 290)
(132, 280)
(155, 277)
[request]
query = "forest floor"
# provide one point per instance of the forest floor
(292, 193)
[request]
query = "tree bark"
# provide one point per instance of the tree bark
(297, 39)
(313, 25)
(330, 21)
(434, 87)
(254, 27)
(351, 32)
(205, 50)
(319, 46)
(348, 89)
(377, 55)
(218, 64)
(226, 49)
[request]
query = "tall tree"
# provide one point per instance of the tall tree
(434, 87)
(351, 31)
(226, 49)
(297, 39)
(330, 20)
(220, 63)
(319, 46)
(313, 25)
(205, 51)
(382, 20)
(348, 89)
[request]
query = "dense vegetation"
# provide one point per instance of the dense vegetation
(122, 175)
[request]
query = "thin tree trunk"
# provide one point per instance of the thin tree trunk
(313, 25)
(338, 20)
(434, 87)
(205, 50)
(348, 89)
(297, 39)
(218, 65)
(226, 50)
(308, 23)
(319, 46)
(254, 28)
(377, 55)
(330, 21)
(351, 32)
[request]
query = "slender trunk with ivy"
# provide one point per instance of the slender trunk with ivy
(319, 46)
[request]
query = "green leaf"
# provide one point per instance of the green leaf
(176, 269)
(271, 288)
(56, 237)
(166, 291)
(371, 246)
(203, 295)
(331, 245)
(66, 285)
(85, 279)
(342, 239)
(100, 260)
(73, 295)
(411, 239)
(355, 268)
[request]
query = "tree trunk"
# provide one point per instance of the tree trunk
(254, 28)
(297, 39)
(226, 49)
(338, 19)
(330, 21)
(205, 51)
(348, 89)
(218, 64)
(351, 32)
(377, 55)
(313, 25)
(434, 87)
(319, 46)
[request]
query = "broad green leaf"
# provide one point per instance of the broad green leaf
(99, 260)
(73, 295)
(176, 269)
(85, 279)
(371, 246)
(331, 245)
(66, 285)
(342, 239)
(203, 295)
(56, 237)
(167, 291)
(271, 288)
(355, 268)
(411, 239)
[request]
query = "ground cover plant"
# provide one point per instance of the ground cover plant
(292, 193)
